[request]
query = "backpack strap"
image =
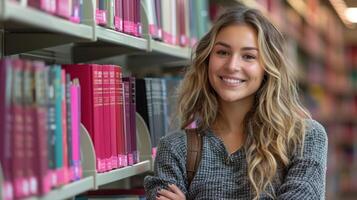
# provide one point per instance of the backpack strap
(194, 148)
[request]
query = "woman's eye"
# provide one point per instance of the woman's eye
(249, 57)
(222, 53)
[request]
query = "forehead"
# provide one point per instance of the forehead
(238, 35)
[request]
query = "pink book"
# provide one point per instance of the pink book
(29, 135)
(76, 120)
(100, 13)
(128, 23)
(76, 11)
(113, 124)
(90, 79)
(124, 120)
(63, 8)
(118, 15)
(119, 116)
(40, 161)
(18, 134)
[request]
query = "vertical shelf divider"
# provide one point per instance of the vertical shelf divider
(89, 16)
(88, 154)
(143, 139)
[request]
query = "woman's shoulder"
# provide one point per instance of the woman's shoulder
(314, 130)
(174, 140)
(315, 141)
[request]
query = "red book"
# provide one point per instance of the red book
(90, 79)
(40, 161)
(106, 117)
(113, 124)
(119, 116)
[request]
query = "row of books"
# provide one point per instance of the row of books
(68, 9)
(177, 22)
(156, 103)
(40, 124)
(108, 113)
(120, 15)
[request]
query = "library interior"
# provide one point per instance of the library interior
(88, 88)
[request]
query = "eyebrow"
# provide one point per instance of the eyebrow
(229, 46)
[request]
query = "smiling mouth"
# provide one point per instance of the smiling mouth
(232, 81)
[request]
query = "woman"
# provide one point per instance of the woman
(258, 141)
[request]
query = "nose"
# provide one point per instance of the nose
(234, 64)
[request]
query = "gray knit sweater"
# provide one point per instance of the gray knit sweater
(224, 176)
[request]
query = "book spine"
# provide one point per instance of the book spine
(133, 121)
(127, 129)
(118, 16)
(75, 113)
(119, 116)
(59, 170)
(41, 127)
(6, 154)
(66, 177)
(106, 117)
(113, 124)
(101, 13)
(29, 135)
(19, 179)
(69, 127)
(98, 117)
(63, 8)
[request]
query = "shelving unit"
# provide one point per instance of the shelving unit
(25, 26)
(32, 32)
(91, 179)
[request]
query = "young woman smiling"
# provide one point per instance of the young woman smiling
(259, 142)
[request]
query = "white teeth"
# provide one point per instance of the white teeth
(232, 81)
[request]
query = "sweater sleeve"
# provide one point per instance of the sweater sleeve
(305, 178)
(169, 166)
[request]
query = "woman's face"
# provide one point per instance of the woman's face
(235, 71)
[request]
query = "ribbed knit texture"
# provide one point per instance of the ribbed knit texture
(224, 176)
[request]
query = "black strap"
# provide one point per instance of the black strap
(194, 148)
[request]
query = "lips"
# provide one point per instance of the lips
(232, 80)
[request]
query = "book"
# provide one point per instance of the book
(6, 153)
(18, 135)
(90, 79)
(119, 117)
(41, 127)
(29, 135)
(75, 91)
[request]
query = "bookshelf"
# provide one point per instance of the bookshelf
(25, 26)
(26, 31)
(91, 179)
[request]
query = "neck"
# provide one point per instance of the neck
(231, 117)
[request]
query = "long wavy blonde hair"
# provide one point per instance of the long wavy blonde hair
(275, 125)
